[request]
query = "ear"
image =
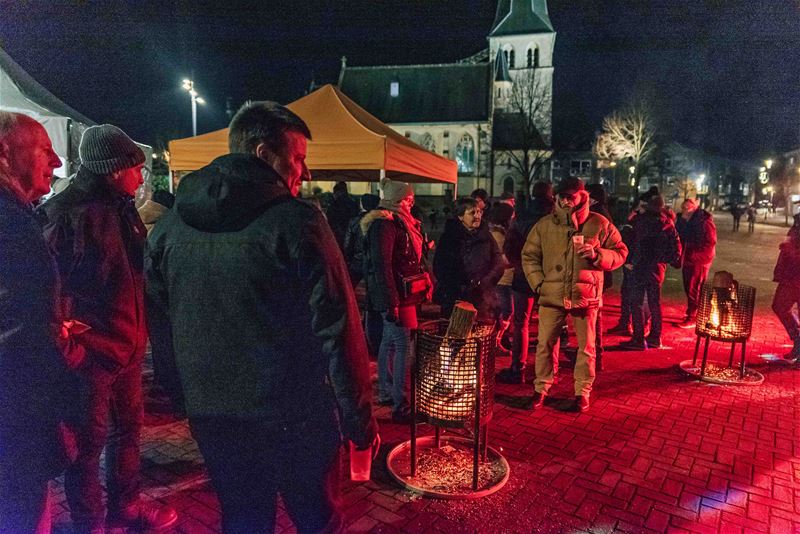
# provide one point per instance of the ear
(265, 154)
(5, 154)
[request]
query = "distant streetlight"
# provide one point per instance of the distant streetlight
(188, 85)
(768, 163)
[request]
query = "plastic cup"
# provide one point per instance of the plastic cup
(577, 241)
(360, 463)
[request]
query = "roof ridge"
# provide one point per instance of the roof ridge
(365, 67)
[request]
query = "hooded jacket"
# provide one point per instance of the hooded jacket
(467, 266)
(560, 276)
(97, 239)
(787, 268)
(264, 319)
(698, 237)
(655, 243)
(389, 257)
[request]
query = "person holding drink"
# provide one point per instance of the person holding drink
(563, 259)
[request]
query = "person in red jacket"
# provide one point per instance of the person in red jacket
(699, 238)
(787, 294)
(97, 239)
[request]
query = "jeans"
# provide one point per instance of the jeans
(652, 289)
(251, 461)
(694, 276)
(115, 400)
(393, 363)
(523, 305)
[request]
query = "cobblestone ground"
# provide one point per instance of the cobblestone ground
(657, 452)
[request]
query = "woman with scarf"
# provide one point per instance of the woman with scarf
(396, 284)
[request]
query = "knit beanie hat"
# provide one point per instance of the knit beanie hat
(105, 149)
(393, 192)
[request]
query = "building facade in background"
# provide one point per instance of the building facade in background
(483, 111)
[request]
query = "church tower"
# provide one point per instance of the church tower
(523, 34)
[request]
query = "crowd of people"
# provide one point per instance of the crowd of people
(246, 294)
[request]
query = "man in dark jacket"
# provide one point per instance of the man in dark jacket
(787, 294)
(655, 244)
(98, 241)
(341, 210)
(266, 334)
(394, 247)
(33, 389)
(699, 238)
(354, 239)
(539, 206)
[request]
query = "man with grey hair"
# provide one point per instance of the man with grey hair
(33, 390)
(266, 334)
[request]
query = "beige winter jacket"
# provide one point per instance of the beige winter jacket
(150, 212)
(555, 272)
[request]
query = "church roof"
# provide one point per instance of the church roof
(514, 17)
(452, 92)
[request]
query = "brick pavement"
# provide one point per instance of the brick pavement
(657, 452)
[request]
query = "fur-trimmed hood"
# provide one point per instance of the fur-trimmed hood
(372, 216)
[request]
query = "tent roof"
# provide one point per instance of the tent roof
(19, 91)
(347, 144)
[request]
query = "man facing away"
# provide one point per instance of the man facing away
(564, 257)
(265, 329)
(32, 372)
(98, 242)
(699, 238)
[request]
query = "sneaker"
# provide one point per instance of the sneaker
(688, 322)
(633, 344)
(509, 375)
(144, 516)
(620, 330)
(653, 342)
(582, 403)
(538, 400)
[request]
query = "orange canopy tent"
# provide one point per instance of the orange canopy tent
(347, 143)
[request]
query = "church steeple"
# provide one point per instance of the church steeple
(515, 17)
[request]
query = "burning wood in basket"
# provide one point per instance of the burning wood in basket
(461, 320)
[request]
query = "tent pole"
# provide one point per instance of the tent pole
(171, 182)
(455, 191)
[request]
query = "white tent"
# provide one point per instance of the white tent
(20, 93)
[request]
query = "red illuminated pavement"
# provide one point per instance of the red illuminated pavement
(657, 452)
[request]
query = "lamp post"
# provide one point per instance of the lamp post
(188, 85)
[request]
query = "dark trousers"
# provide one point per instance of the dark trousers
(598, 340)
(24, 474)
(787, 296)
(626, 303)
(694, 276)
(523, 304)
(736, 223)
(373, 327)
(109, 400)
(251, 461)
(652, 289)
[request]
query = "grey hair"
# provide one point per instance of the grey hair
(8, 122)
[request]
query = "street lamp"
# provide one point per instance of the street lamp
(188, 85)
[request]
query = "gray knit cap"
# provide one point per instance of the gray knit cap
(105, 149)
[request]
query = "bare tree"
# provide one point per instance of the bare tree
(628, 134)
(529, 109)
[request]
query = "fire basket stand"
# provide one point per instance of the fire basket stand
(452, 387)
(725, 314)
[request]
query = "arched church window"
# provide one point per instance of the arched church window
(535, 57)
(511, 59)
(465, 154)
(530, 57)
(428, 143)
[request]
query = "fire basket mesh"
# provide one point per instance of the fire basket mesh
(450, 373)
(725, 314)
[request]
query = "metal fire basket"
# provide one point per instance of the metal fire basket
(724, 314)
(452, 385)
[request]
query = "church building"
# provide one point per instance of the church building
(486, 112)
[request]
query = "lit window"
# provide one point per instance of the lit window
(465, 154)
(394, 89)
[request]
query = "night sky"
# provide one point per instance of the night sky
(722, 74)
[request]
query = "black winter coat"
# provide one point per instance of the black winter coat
(354, 246)
(518, 233)
(35, 388)
(389, 257)
(97, 238)
(655, 243)
(264, 319)
(467, 266)
(341, 210)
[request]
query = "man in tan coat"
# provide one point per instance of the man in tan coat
(563, 259)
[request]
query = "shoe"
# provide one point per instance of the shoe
(790, 357)
(620, 330)
(582, 403)
(538, 400)
(633, 344)
(688, 322)
(144, 516)
(653, 342)
(509, 375)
